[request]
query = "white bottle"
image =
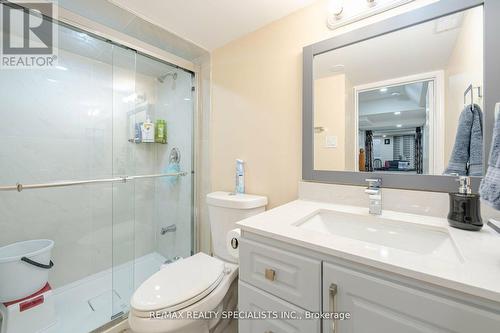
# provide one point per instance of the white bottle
(148, 131)
(240, 177)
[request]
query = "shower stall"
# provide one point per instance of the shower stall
(76, 168)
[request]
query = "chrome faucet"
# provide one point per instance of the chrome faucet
(374, 192)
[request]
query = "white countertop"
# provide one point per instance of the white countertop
(477, 272)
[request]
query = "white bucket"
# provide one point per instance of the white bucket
(24, 268)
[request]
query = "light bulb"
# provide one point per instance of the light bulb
(336, 7)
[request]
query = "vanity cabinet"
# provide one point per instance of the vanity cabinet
(278, 277)
(380, 305)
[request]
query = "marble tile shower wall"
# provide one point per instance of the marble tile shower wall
(72, 123)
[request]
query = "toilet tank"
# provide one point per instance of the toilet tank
(224, 210)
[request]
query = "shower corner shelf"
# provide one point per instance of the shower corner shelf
(146, 143)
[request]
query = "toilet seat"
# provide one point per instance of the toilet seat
(178, 285)
(227, 289)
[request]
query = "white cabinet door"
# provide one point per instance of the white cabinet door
(378, 305)
(292, 277)
(283, 319)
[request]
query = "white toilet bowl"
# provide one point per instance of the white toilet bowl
(179, 297)
(189, 295)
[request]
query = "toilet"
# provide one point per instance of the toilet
(184, 296)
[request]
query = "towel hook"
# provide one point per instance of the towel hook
(470, 89)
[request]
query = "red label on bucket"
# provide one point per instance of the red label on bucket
(31, 303)
(31, 297)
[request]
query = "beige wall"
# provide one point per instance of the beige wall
(257, 102)
(330, 114)
(351, 146)
(464, 67)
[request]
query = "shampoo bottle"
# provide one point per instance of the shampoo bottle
(138, 132)
(148, 131)
(161, 131)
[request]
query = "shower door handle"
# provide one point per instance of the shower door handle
(332, 291)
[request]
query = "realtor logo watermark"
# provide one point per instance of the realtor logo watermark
(28, 40)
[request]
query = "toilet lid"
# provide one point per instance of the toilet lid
(179, 284)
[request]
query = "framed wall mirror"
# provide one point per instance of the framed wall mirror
(410, 99)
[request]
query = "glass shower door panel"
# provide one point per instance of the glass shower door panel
(152, 214)
(124, 106)
(81, 121)
(170, 100)
(175, 195)
(56, 126)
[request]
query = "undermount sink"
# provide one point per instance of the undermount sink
(383, 234)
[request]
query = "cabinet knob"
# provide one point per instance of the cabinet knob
(270, 274)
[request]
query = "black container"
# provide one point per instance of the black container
(465, 211)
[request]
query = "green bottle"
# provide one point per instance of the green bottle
(161, 131)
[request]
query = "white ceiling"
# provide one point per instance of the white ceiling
(396, 109)
(211, 23)
(419, 49)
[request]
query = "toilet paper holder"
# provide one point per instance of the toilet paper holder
(234, 243)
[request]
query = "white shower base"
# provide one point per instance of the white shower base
(87, 304)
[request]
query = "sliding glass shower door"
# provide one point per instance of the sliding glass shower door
(153, 212)
(124, 165)
(79, 167)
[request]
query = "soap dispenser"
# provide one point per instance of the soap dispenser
(465, 207)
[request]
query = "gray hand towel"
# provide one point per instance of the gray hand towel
(467, 155)
(490, 185)
(476, 144)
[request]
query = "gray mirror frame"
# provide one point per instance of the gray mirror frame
(435, 183)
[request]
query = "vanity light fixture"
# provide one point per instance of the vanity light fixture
(340, 14)
(336, 7)
(383, 90)
(335, 10)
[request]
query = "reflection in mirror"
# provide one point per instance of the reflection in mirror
(393, 127)
(406, 102)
